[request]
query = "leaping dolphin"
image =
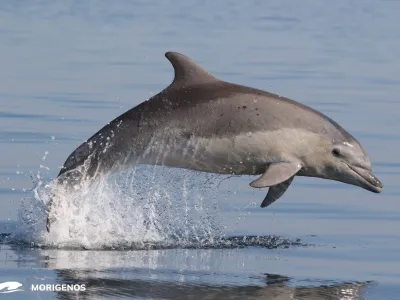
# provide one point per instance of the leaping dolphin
(202, 123)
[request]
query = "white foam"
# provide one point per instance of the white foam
(145, 206)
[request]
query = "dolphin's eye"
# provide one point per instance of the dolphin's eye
(336, 152)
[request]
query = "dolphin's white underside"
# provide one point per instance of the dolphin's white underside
(246, 153)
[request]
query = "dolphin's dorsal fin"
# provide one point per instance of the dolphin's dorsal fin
(187, 71)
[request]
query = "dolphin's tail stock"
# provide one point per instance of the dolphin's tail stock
(57, 182)
(48, 223)
(63, 187)
(81, 165)
(51, 205)
(50, 218)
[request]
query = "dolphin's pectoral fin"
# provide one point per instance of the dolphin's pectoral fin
(278, 177)
(275, 192)
(276, 173)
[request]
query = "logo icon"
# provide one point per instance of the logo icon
(10, 287)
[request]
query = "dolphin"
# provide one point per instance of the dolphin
(203, 123)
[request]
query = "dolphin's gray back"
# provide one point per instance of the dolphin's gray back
(223, 109)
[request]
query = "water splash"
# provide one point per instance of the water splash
(141, 208)
(149, 207)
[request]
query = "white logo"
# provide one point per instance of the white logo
(10, 287)
(58, 287)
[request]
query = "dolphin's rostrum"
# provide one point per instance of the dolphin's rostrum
(202, 123)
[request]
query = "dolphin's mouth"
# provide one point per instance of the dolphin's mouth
(367, 179)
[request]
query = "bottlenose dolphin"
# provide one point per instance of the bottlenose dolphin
(203, 123)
